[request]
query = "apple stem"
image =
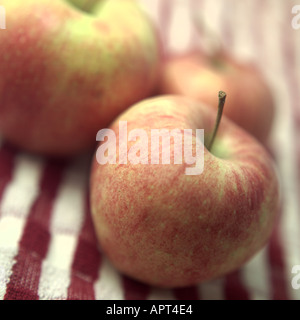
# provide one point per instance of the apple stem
(222, 98)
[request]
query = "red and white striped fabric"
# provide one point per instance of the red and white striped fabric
(48, 248)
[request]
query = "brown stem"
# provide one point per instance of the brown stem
(222, 98)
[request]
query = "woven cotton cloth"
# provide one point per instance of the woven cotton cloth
(48, 249)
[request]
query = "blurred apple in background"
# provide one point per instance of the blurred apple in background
(169, 229)
(85, 5)
(65, 72)
(200, 75)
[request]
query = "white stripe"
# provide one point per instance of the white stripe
(23, 188)
(284, 142)
(152, 8)
(180, 28)
(210, 33)
(66, 221)
(296, 40)
(15, 206)
(256, 277)
(6, 264)
(243, 43)
(290, 219)
(109, 283)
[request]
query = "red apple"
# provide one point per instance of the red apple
(164, 227)
(198, 75)
(65, 73)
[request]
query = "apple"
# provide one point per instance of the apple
(164, 227)
(85, 5)
(66, 73)
(199, 75)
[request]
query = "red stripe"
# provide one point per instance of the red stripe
(277, 266)
(196, 8)
(35, 239)
(261, 11)
(278, 281)
(165, 14)
(187, 293)
(134, 290)
(80, 288)
(234, 288)
(24, 281)
(86, 263)
(227, 29)
(7, 155)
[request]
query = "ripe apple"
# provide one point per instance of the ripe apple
(200, 75)
(66, 72)
(169, 229)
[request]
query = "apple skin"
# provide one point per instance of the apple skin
(168, 229)
(66, 73)
(195, 74)
(85, 5)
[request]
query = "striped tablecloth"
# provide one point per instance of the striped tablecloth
(48, 248)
